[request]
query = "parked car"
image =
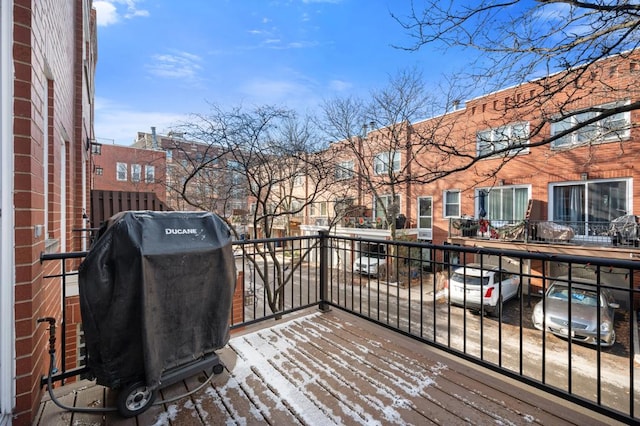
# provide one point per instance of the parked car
(553, 315)
(485, 288)
(373, 260)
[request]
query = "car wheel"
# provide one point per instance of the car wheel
(134, 399)
(613, 337)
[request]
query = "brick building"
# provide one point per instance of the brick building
(128, 169)
(566, 192)
(211, 186)
(48, 54)
(125, 178)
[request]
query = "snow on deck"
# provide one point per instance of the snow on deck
(334, 368)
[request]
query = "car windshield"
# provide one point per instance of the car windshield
(579, 296)
(469, 279)
(374, 251)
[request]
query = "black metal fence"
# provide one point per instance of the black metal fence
(410, 287)
(621, 232)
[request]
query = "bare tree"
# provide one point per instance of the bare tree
(379, 136)
(265, 156)
(562, 47)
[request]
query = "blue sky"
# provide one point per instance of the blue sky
(160, 60)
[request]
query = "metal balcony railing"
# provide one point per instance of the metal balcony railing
(581, 233)
(409, 293)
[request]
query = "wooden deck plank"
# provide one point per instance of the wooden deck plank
(91, 397)
(427, 378)
(333, 368)
(342, 378)
(51, 414)
(114, 418)
(507, 396)
(206, 401)
(182, 411)
(410, 392)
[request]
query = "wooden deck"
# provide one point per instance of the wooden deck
(332, 368)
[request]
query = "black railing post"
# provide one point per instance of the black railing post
(324, 270)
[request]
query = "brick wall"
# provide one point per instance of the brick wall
(46, 110)
(105, 163)
(541, 165)
(74, 319)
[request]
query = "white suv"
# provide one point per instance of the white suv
(475, 288)
(373, 260)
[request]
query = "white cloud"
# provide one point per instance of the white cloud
(121, 124)
(110, 12)
(182, 65)
(340, 85)
(106, 13)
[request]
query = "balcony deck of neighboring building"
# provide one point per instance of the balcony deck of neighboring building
(318, 368)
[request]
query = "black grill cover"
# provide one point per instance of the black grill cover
(155, 293)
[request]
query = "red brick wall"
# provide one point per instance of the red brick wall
(541, 165)
(74, 319)
(46, 57)
(112, 154)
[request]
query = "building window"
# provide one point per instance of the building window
(136, 173)
(149, 174)
(342, 205)
(385, 162)
(296, 208)
(99, 171)
(492, 140)
(613, 128)
(384, 207)
(96, 148)
(452, 203)
(319, 209)
(344, 170)
(425, 212)
(121, 171)
(508, 203)
(590, 205)
(425, 218)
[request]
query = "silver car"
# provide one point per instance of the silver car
(583, 327)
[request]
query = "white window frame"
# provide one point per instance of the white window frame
(318, 209)
(149, 173)
(384, 160)
(587, 200)
(385, 200)
(136, 173)
(491, 140)
(446, 203)
(597, 132)
(121, 172)
(298, 180)
(344, 170)
(96, 148)
(501, 189)
(424, 233)
(296, 208)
